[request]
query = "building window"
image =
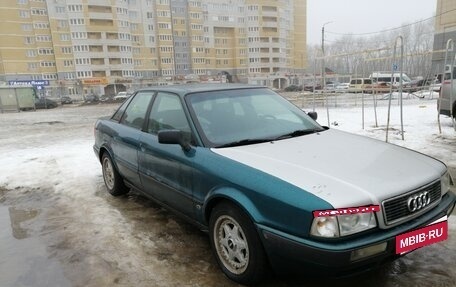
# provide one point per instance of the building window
(27, 27)
(45, 51)
(65, 37)
(31, 53)
(60, 9)
(29, 40)
(24, 14)
(82, 61)
(84, 74)
(43, 38)
(66, 50)
(133, 14)
(32, 66)
(41, 25)
(39, 12)
(47, 64)
(67, 63)
(77, 21)
(62, 23)
(79, 35)
(75, 8)
(81, 48)
(49, 76)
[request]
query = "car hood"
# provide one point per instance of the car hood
(343, 169)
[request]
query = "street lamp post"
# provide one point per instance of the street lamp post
(323, 52)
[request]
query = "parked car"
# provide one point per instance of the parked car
(293, 88)
(342, 86)
(105, 98)
(121, 96)
(310, 87)
(44, 103)
(66, 100)
(331, 87)
(270, 185)
(446, 103)
(92, 98)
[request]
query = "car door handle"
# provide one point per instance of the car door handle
(142, 147)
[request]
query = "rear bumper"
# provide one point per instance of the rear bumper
(288, 254)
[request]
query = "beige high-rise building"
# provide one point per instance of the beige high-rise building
(445, 29)
(79, 47)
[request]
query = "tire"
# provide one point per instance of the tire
(236, 245)
(112, 179)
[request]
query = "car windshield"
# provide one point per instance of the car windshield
(247, 116)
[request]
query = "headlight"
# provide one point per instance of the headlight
(445, 182)
(325, 226)
(342, 225)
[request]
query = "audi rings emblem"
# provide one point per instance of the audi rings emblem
(418, 201)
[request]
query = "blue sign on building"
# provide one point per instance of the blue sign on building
(34, 83)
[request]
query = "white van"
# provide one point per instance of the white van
(385, 77)
(360, 85)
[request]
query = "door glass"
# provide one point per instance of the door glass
(167, 114)
(135, 113)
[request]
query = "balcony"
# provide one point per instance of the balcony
(99, 2)
(100, 16)
(97, 61)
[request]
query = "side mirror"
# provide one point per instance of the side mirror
(173, 137)
(313, 115)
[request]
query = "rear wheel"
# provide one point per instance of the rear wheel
(112, 178)
(236, 245)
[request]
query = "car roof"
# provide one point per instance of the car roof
(185, 89)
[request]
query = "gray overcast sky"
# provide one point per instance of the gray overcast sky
(362, 16)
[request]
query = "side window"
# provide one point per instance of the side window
(135, 114)
(167, 114)
(118, 114)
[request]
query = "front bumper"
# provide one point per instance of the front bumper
(289, 254)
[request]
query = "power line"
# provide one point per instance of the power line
(377, 42)
(392, 29)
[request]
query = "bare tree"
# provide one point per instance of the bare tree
(352, 55)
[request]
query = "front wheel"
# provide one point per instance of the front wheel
(236, 245)
(111, 176)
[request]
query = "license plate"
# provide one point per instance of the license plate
(433, 233)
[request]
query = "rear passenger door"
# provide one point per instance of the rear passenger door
(125, 139)
(166, 170)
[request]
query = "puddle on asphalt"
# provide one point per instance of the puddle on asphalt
(24, 260)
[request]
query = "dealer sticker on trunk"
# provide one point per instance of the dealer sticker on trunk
(433, 233)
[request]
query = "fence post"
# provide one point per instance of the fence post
(400, 87)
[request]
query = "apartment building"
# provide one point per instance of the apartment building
(105, 46)
(445, 29)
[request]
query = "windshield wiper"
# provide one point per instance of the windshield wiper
(244, 142)
(293, 134)
(298, 133)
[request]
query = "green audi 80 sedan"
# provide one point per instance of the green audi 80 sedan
(273, 188)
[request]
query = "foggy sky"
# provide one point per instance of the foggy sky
(362, 16)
